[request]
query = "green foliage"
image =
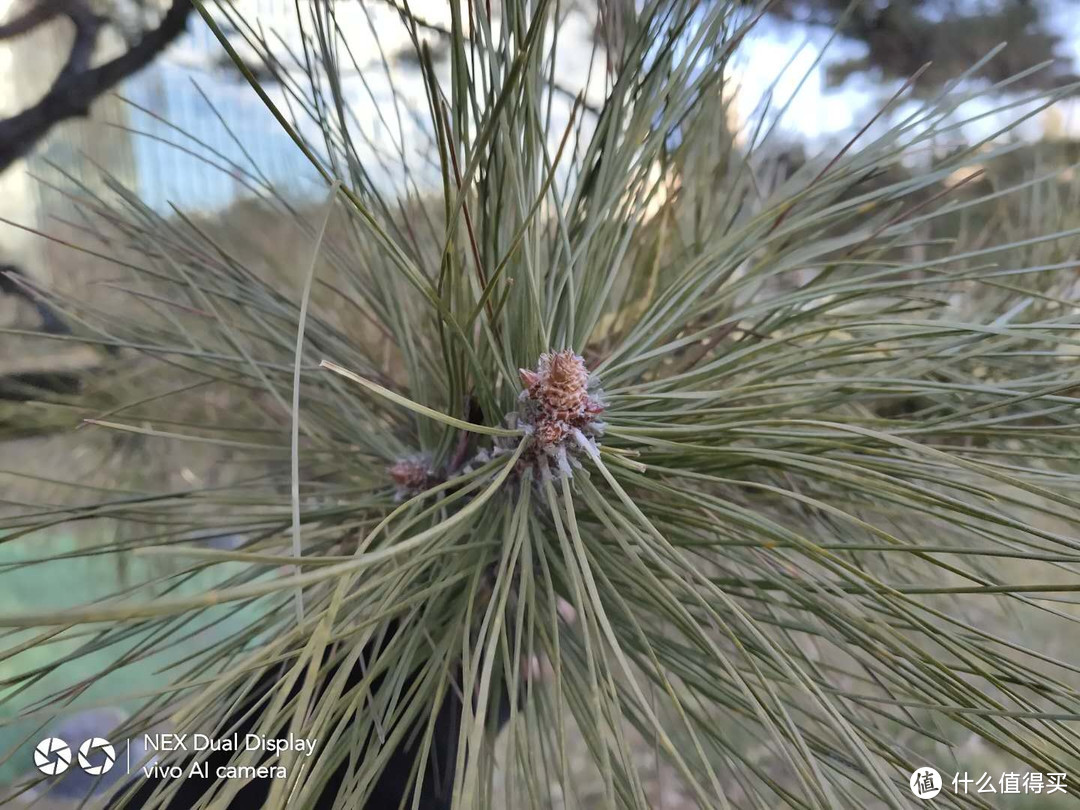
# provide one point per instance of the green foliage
(830, 530)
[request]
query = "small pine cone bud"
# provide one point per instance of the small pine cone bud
(530, 379)
(558, 411)
(550, 432)
(410, 474)
(562, 387)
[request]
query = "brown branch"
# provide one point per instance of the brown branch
(36, 15)
(78, 86)
(87, 25)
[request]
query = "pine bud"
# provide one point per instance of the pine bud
(412, 475)
(556, 405)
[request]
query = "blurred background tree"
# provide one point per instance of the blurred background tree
(902, 36)
(82, 79)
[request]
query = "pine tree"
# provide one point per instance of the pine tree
(679, 470)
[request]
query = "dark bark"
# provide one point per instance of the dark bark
(78, 85)
(34, 16)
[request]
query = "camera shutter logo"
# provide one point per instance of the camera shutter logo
(925, 783)
(52, 756)
(106, 756)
